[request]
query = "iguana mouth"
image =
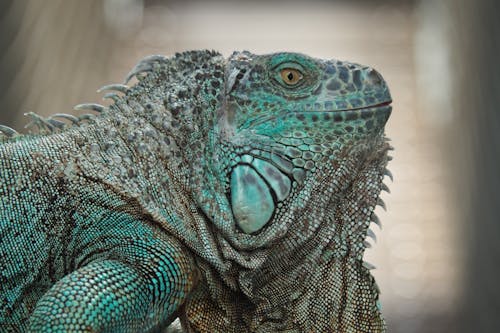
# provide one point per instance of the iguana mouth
(375, 106)
(387, 103)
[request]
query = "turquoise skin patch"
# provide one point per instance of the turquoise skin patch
(251, 199)
(254, 188)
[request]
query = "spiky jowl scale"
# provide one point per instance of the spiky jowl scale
(233, 193)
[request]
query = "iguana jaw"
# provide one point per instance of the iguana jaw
(382, 109)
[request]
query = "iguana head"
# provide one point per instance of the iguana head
(289, 116)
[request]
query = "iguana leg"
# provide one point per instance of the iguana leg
(137, 288)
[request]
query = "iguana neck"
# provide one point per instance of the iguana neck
(321, 256)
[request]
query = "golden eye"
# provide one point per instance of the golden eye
(291, 76)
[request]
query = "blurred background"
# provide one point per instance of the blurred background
(437, 255)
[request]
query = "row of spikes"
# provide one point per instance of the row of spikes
(374, 219)
(53, 122)
(60, 121)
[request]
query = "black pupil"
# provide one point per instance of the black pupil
(290, 76)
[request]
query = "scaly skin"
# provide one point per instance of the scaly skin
(233, 193)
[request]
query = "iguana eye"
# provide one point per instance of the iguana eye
(291, 76)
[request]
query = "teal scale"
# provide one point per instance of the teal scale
(256, 187)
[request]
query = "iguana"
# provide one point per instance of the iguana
(235, 194)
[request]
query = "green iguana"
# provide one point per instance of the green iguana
(235, 194)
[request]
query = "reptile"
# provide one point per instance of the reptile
(235, 194)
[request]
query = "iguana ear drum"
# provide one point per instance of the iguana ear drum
(256, 187)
